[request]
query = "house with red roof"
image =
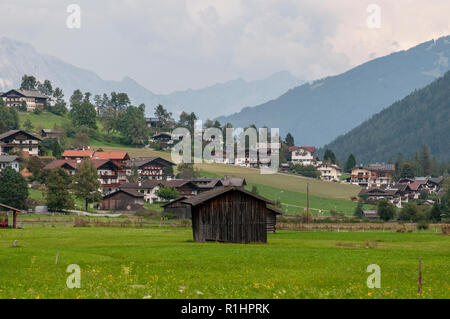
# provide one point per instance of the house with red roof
(77, 155)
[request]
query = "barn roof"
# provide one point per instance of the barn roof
(276, 211)
(203, 197)
(129, 192)
(174, 201)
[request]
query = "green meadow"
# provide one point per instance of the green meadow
(166, 263)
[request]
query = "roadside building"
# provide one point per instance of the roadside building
(150, 167)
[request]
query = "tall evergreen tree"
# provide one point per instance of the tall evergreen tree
(350, 163)
(289, 140)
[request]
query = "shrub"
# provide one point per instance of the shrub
(79, 222)
(385, 210)
(146, 213)
(423, 225)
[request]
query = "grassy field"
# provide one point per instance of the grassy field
(166, 263)
(45, 119)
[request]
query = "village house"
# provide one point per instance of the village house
(78, 155)
(120, 159)
(70, 166)
(33, 99)
(329, 172)
(150, 167)
(360, 175)
(108, 175)
(19, 140)
(9, 160)
(52, 133)
(152, 122)
(124, 200)
(375, 194)
(381, 174)
(148, 188)
(164, 139)
(303, 155)
(374, 175)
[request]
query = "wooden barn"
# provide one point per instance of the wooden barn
(122, 200)
(229, 214)
(272, 219)
(177, 208)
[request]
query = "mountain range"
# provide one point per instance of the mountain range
(421, 118)
(18, 58)
(316, 113)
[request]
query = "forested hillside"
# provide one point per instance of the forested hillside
(422, 118)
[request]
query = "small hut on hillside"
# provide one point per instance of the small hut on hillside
(229, 214)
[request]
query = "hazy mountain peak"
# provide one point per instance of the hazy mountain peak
(18, 58)
(310, 111)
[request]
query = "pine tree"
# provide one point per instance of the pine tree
(350, 163)
(289, 140)
(425, 161)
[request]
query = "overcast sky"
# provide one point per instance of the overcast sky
(176, 44)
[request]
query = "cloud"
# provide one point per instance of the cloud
(168, 45)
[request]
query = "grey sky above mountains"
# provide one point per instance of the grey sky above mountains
(175, 44)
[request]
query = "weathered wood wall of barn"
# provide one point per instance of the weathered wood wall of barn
(231, 217)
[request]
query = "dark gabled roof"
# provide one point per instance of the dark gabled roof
(163, 134)
(28, 93)
(12, 132)
(100, 162)
(61, 163)
(233, 181)
(276, 211)
(378, 192)
(203, 197)
(141, 161)
(150, 183)
(130, 192)
(436, 180)
(178, 183)
(174, 201)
